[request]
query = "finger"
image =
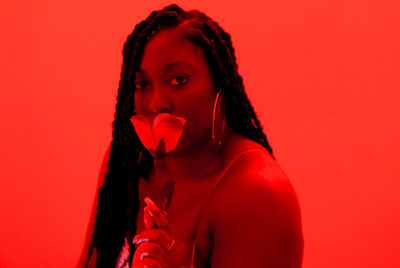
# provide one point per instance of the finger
(151, 263)
(148, 220)
(150, 250)
(156, 213)
(158, 236)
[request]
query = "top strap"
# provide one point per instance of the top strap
(195, 250)
(231, 164)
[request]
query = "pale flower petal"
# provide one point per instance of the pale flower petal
(169, 128)
(143, 130)
(166, 129)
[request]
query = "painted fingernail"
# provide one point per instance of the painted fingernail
(141, 240)
(148, 210)
(149, 202)
(144, 254)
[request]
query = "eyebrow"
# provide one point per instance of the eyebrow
(172, 65)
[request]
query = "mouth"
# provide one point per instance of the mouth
(161, 135)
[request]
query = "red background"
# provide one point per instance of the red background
(323, 77)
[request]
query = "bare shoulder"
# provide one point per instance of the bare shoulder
(254, 215)
(254, 172)
(256, 180)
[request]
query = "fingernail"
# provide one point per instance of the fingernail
(146, 209)
(149, 202)
(144, 254)
(141, 240)
(134, 239)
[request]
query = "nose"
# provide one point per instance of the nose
(159, 102)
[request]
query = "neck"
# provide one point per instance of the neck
(201, 160)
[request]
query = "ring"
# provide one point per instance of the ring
(171, 244)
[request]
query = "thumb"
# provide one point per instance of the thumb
(155, 212)
(148, 220)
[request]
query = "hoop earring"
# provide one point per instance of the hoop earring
(217, 133)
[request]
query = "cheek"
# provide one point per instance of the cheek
(138, 102)
(201, 107)
(199, 117)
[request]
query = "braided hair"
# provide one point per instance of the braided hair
(118, 202)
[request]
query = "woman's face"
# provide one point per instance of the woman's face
(174, 77)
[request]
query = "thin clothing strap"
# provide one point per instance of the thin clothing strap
(231, 163)
(210, 194)
(123, 258)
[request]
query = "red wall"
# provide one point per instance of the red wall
(323, 77)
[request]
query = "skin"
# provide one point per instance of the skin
(174, 78)
(264, 206)
(252, 219)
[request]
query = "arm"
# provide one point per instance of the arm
(259, 222)
(90, 227)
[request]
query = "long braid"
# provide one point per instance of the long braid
(118, 202)
(240, 114)
(111, 219)
(259, 133)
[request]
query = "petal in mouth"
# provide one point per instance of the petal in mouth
(160, 137)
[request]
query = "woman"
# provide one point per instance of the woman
(191, 178)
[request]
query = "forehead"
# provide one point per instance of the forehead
(169, 46)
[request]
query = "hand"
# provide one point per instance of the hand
(158, 245)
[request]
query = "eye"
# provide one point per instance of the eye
(178, 80)
(140, 84)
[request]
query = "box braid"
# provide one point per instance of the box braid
(118, 202)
